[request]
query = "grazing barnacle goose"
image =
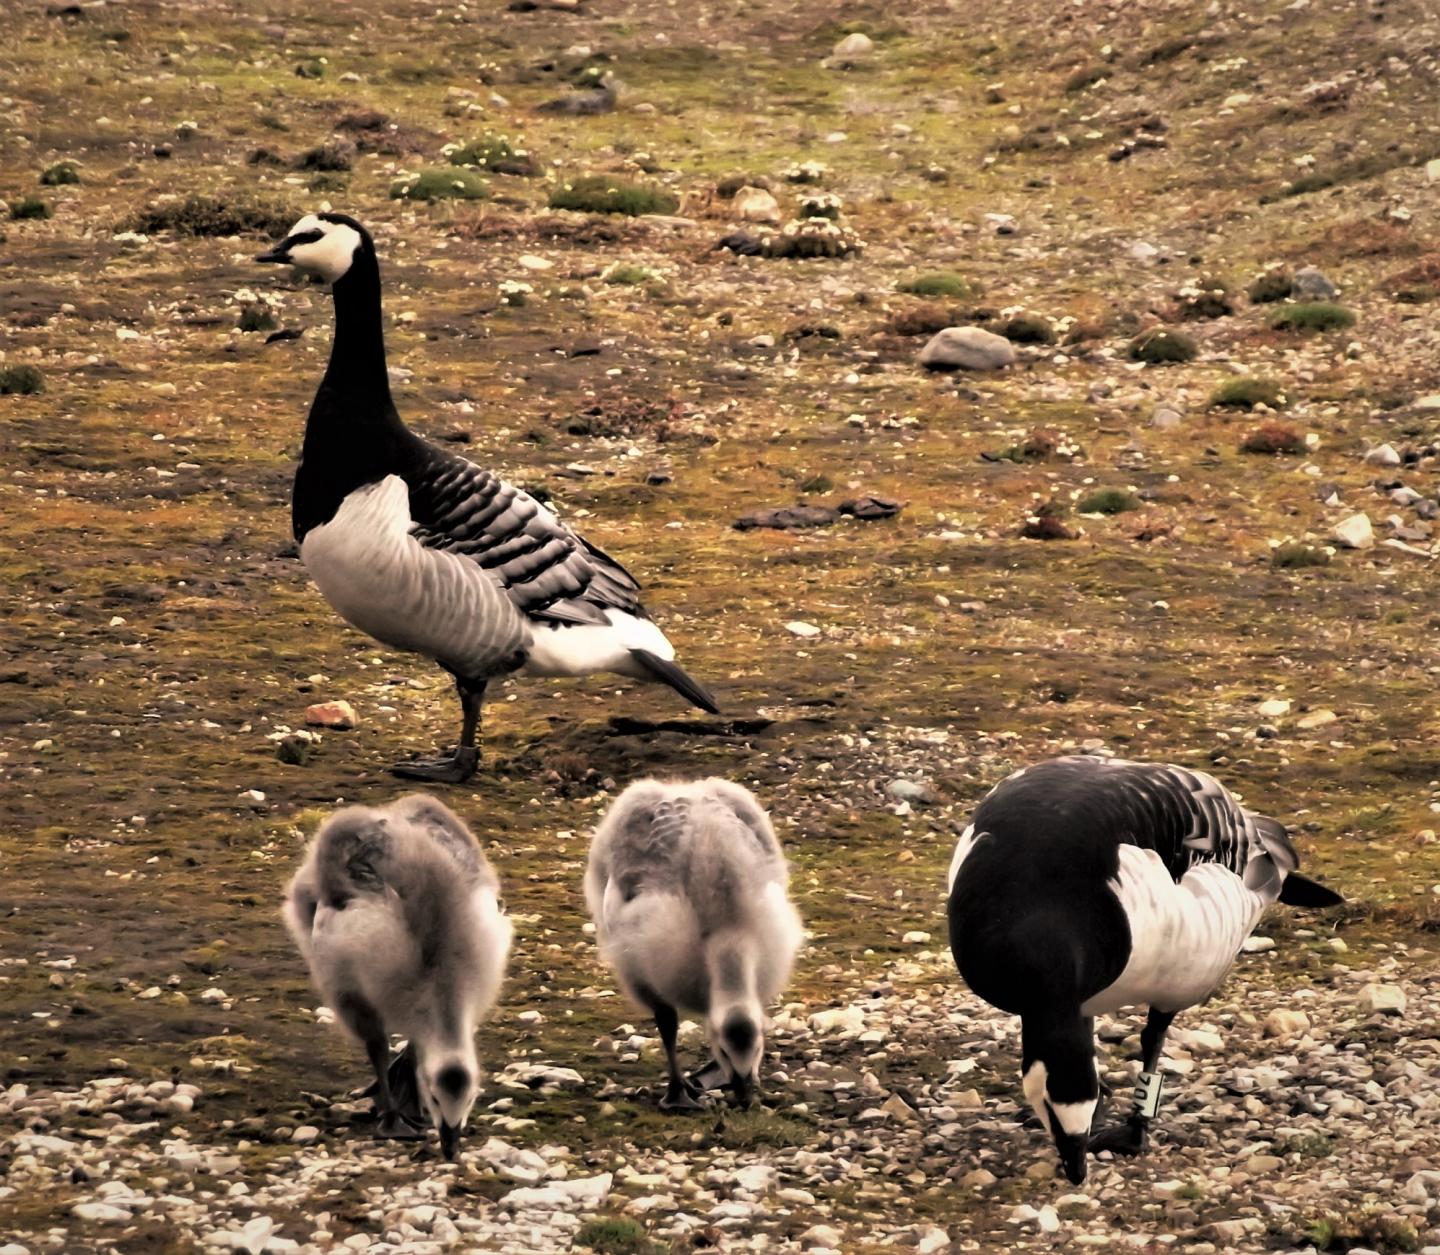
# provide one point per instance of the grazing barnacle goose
(1085, 885)
(686, 885)
(396, 911)
(430, 553)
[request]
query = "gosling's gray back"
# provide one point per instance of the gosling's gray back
(422, 897)
(706, 841)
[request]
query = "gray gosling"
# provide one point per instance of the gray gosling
(686, 885)
(396, 910)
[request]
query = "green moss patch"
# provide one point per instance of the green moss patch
(497, 153)
(936, 283)
(1162, 346)
(440, 183)
(1246, 393)
(1107, 501)
(603, 194)
(1312, 316)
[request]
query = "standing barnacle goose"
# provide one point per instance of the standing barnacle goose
(686, 885)
(1085, 885)
(426, 551)
(396, 911)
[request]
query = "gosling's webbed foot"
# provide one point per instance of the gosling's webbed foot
(1129, 1138)
(711, 1076)
(455, 770)
(394, 1125)
(405, 1088)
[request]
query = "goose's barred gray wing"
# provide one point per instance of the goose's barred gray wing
(1185, 816)
(547, 570)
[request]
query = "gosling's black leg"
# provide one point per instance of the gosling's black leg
(1131, 1136)
(366, 1025)
(463, 763)
(680, 1094)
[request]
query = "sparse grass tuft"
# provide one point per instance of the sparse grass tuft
(1377, 1231)
(327, 156)
(1296, 554)
(1246, 393)
(20, 381)
(1162, 346)
(257, 317)
(625, 274)
(1273, 438)
(1204, 298)
(1270, 286)
(212, 216)
(936, 283)
(1086, 76)
(62, 172)
(1027, 329)
(604, 194)
(1107, 501)
(30, 207)
(1312, 316)
(614, 1235)
(440, 183)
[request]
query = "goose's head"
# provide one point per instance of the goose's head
(737, 1040)
(448, 1084)
(1063, 1089)
(324, 244)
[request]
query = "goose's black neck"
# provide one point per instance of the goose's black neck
(354, 435)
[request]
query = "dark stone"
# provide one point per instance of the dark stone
(867, 508)
(788, 518)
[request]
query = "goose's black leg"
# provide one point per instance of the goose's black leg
(680, 1094)
(1130, 1136)
(462, 764)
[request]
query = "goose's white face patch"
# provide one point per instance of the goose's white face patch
(1073, 1118)
(328, 256)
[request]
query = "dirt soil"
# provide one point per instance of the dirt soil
(1086, 163)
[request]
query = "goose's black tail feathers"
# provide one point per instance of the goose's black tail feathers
(667, 672)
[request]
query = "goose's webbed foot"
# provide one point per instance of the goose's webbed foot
(1130, 1137)
(454, 770)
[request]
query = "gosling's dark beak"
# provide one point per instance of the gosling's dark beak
(450, 1140)
(280, 253)
(1072, 1151)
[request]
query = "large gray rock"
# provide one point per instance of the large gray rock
(1311, 284)
(966, 348)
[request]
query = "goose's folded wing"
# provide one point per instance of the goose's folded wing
(1192, 818)
(548, 571)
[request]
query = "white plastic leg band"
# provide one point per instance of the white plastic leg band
(1147, 1095)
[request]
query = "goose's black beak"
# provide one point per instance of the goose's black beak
(450, 1140)
(280, 253)
(1072, 1151)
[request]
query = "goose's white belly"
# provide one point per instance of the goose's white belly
(1184, 936)
(384, 582)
